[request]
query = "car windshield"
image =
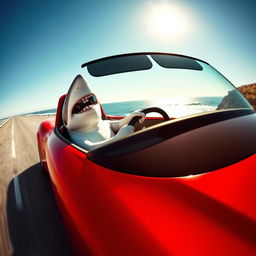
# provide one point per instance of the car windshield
(180, 85)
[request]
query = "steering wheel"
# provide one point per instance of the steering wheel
(148, 110)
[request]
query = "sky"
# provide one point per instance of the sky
(168, 85)
(44, 43)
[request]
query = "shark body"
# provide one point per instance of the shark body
(82, 117)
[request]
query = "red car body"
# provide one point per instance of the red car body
(110, 212)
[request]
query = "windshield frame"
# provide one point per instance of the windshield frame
(138, 53)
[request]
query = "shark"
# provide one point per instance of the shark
(82, 117)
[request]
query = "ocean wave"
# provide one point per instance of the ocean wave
(42, 114)
(193, 104)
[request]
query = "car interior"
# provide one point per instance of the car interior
(61, 129)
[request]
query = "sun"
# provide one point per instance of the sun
(167, 21)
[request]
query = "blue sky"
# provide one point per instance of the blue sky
(43, 43)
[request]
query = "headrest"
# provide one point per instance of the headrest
(58, 119)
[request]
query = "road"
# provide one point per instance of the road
(30, 223)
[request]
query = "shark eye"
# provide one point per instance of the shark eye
(92, 99)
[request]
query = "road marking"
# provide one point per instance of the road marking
(3, 122)
(17, 192)
(13, 142)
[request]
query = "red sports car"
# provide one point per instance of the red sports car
(183, 183)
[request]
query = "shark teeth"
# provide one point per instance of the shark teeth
(84, 100)
(83, 104)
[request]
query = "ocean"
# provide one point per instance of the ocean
(176, 107)
(51, 111)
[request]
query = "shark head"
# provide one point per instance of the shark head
(81, 110)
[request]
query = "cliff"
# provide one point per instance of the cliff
(232, 100)
(249, 91)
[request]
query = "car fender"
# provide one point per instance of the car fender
(43, 132)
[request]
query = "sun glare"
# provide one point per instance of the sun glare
(167, 21)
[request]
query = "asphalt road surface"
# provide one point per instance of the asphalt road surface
(30, 223)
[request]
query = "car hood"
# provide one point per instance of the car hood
(211, 213)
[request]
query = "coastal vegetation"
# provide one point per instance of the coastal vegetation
(249, 92)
